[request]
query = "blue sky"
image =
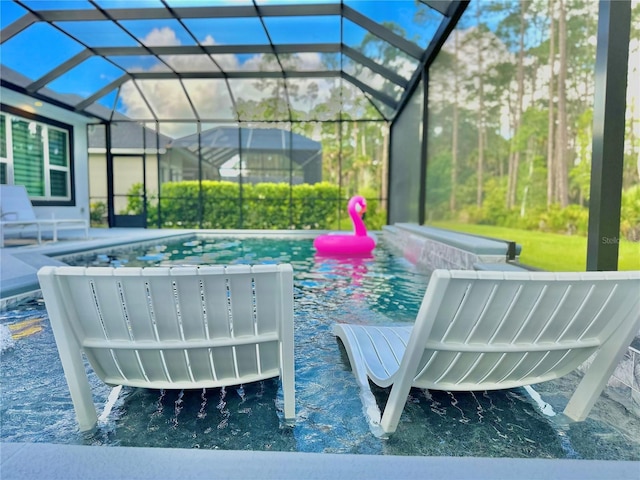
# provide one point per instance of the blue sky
(41, 47)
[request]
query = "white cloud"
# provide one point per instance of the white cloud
(161, 37)
(211, 96)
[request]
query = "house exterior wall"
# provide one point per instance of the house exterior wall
(127, 171)
(80, 181)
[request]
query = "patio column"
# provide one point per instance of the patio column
(612, 57)
(110, 202)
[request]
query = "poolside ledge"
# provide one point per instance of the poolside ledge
(430, 248)
(48, 461)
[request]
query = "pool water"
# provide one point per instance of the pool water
(36, 406)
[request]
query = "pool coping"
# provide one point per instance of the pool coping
(42, 460)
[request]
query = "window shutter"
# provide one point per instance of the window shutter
(3, 150)
(58, 183)
(57, 148)
(28, 156)
(3, 137)
(58, 157)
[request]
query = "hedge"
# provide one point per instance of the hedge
(226, 206)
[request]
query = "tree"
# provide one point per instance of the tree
(514, 156)
(551, 116)
(454, 136)
(481, 112)
(561, 183)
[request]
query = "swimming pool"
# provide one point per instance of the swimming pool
(36, 406)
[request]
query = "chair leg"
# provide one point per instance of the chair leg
(595, 379)
(359, 370)
(76, 375)
(287, 372)
(70, 351)
(288, 388)
(395, 404)
(80, 390)
(287, 362)
(369, 402)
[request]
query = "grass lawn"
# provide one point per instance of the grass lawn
(550, 251)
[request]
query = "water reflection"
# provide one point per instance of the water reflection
(486, 424)
(344, 272)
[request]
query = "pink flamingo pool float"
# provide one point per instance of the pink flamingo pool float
(359, 243)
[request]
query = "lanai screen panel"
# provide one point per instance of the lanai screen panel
(133, 58)
(405, 170)
(337, 71)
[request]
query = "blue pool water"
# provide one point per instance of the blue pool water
(36, 407)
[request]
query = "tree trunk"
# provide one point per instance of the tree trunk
(481, 113)
(551, 118)
(561, 167)
(454, 133)
(512, 186)
(529, 156)
(384, 174)
(338, 171)
(355, 165)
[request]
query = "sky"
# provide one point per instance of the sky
(47, 48)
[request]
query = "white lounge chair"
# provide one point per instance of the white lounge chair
(16, 211)
(486, 330)
(171, 327)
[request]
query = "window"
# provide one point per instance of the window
(3, 150)
(37, 155)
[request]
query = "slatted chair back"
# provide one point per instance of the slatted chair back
(173, 327)
(503, 329)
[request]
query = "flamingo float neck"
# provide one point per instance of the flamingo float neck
(356, 207)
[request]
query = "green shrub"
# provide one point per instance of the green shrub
(180, 204)
(264, 205)
(221, 205)
(134, 200)
(376, 216)
(98, 214)
(494, 209)
(322, 211)
(571, 220)
(630, 214)
(471, 214)
(314, 206)
(576, 220)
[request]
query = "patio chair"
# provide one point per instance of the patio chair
(487, 330)
(16, 211)
(171, 327)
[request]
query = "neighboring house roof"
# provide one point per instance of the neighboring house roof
(219, 144)
(127, 136)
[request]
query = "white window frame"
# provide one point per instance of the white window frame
(47, 167)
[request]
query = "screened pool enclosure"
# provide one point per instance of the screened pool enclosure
(272, 113)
